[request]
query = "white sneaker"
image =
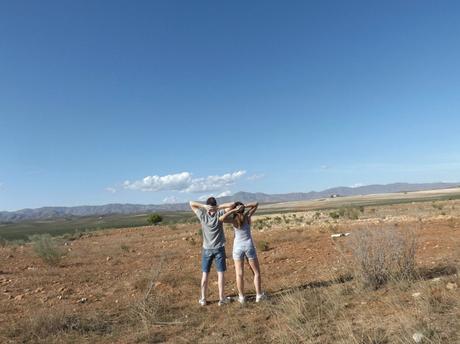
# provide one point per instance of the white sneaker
(261, 297)
(241, 299)
(202, 302)
(225, 301)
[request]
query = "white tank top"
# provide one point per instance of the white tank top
(242, 235)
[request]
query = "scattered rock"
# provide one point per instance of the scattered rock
(83, 300)
(451, 286)
(19, 297)
(108, 258)
(436, 279)
(416, 294)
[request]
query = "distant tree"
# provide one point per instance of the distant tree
(154, 219)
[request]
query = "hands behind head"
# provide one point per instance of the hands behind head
(239, 208)
(211, 208)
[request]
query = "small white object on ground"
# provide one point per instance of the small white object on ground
(416, 294)
(338, 235)
(417, 337)
(451, 286)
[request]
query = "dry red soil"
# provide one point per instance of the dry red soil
(107, 273)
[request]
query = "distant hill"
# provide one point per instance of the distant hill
(47, 213)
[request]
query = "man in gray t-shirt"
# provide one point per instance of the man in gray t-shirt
(213, 244)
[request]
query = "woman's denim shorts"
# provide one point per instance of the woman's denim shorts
(208, 255)
(240, 252)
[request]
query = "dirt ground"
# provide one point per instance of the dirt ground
(99, 286)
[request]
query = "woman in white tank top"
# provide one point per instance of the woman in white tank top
(243, 246)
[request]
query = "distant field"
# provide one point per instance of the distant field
(22, 230)
(365, 200)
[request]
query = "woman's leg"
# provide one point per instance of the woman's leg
(239, 269)
(254, 264)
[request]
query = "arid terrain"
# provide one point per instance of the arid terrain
(141, 285)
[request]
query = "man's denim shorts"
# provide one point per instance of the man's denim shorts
(208, 255)
(240, 252)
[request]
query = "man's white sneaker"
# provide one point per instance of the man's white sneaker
(224, 301)
(261, 297)
(241, 299)
(202, 302)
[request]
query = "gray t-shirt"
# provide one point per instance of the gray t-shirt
(213, 230)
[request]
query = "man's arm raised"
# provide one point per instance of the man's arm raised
(197, 206)
(227, 206)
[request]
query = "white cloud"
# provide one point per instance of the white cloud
(172, 182)
(214, 183)
(110, 189)
(256, 176)
(225, 194)
(204, 198)
(184, 182)
(170, 200)
(222, 194)
(357, 185)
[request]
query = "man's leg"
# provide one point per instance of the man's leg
(221, 266)
(221, 283)
(206, 261)
(204, 285)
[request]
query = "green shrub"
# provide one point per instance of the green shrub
(262, 246)
(46, 248)
(154, 219)
(334, 215)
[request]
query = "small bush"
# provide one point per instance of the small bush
(381, 255)
(154, 219)
(263, 246)
(47, 249)
(334, 215)
(125, 247)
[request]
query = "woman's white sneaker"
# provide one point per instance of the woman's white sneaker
(202, 302)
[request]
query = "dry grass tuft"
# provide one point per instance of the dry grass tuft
(47, 249)
(383, 254)
(52, 326)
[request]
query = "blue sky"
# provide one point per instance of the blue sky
(147, 101)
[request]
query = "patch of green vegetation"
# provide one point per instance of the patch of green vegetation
(74, 227)
(47, 248)
(263, 246)
(154, 219)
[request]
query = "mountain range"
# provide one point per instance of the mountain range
(47, 213)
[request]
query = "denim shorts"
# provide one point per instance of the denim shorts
(208, 255)
(240, 252)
